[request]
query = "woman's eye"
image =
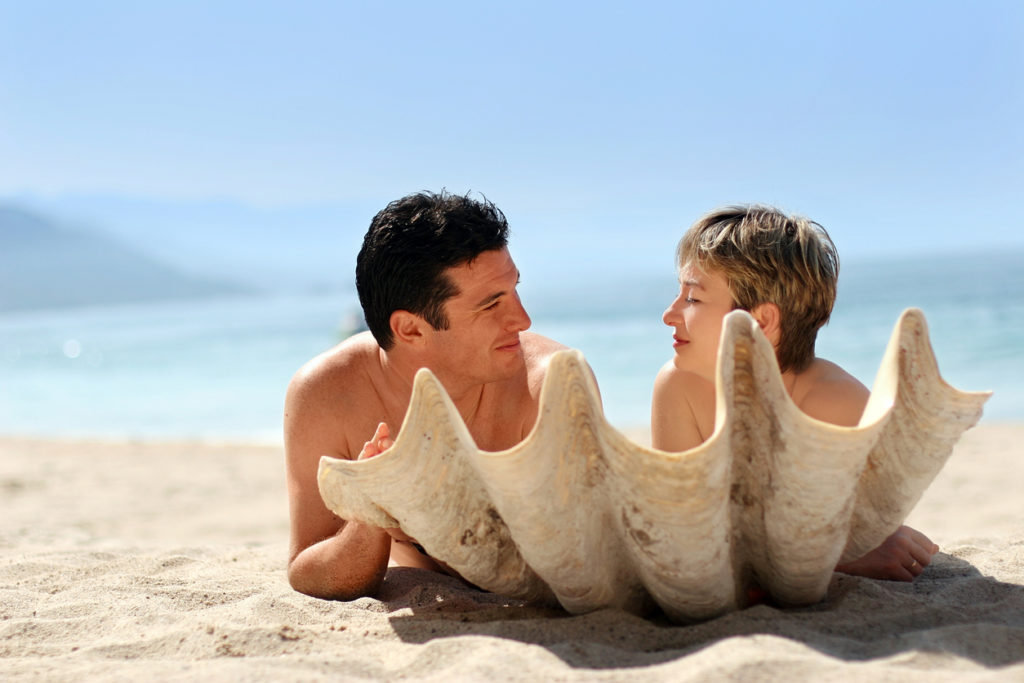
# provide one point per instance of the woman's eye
(691, 300)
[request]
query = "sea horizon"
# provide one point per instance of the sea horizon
(218, 368)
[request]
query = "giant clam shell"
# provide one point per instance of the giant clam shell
(579, 514)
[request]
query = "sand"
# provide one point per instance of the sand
(165, 561)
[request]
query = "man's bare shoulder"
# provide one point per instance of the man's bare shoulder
(538, 348)
(831, 394)
(352, 359)
(537, 352)
(328, 396)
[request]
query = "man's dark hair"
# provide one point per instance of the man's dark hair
(409, 245)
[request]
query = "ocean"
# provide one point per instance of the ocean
(218, 368)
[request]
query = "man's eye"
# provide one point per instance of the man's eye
(492, 306)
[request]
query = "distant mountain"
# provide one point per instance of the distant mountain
(274, 248)
(45, 264)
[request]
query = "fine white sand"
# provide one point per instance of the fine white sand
(165, 561)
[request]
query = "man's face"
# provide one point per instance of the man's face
(696, 319)
(485, 318)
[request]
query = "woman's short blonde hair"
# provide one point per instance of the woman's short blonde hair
(767, 256)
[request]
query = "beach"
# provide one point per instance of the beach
(146, 560)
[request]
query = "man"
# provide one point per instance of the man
(438, 289)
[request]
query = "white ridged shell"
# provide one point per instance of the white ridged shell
(580, 514)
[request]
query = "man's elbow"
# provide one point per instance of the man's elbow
(333, 587)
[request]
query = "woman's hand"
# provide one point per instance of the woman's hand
(901, 557)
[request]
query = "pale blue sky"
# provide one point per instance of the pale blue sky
(897, 125)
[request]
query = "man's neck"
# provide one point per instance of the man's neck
(400, 370)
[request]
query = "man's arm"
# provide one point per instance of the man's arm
(674, 425)
(328, 557)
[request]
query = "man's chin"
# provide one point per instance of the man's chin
(512, 363)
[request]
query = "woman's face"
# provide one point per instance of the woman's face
(696, 319)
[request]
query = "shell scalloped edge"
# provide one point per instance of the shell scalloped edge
(579, 515)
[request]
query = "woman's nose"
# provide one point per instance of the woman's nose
(672, 315)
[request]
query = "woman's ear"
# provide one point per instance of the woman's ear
(769, 318)
(407, 327)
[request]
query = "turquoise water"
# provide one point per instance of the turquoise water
(219, 368)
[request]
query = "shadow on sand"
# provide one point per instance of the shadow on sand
(952, 608)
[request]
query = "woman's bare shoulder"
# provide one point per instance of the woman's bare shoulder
(831, 394)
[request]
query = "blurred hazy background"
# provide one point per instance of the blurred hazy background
(184, 186)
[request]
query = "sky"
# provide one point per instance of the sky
(899, 126)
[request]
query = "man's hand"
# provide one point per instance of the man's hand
(380, 442)
(901, 557)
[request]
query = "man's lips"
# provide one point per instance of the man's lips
(509, 346)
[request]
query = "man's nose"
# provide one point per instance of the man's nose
(519, 318)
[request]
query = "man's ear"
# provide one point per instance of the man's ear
(407, 327)
(769, 318)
